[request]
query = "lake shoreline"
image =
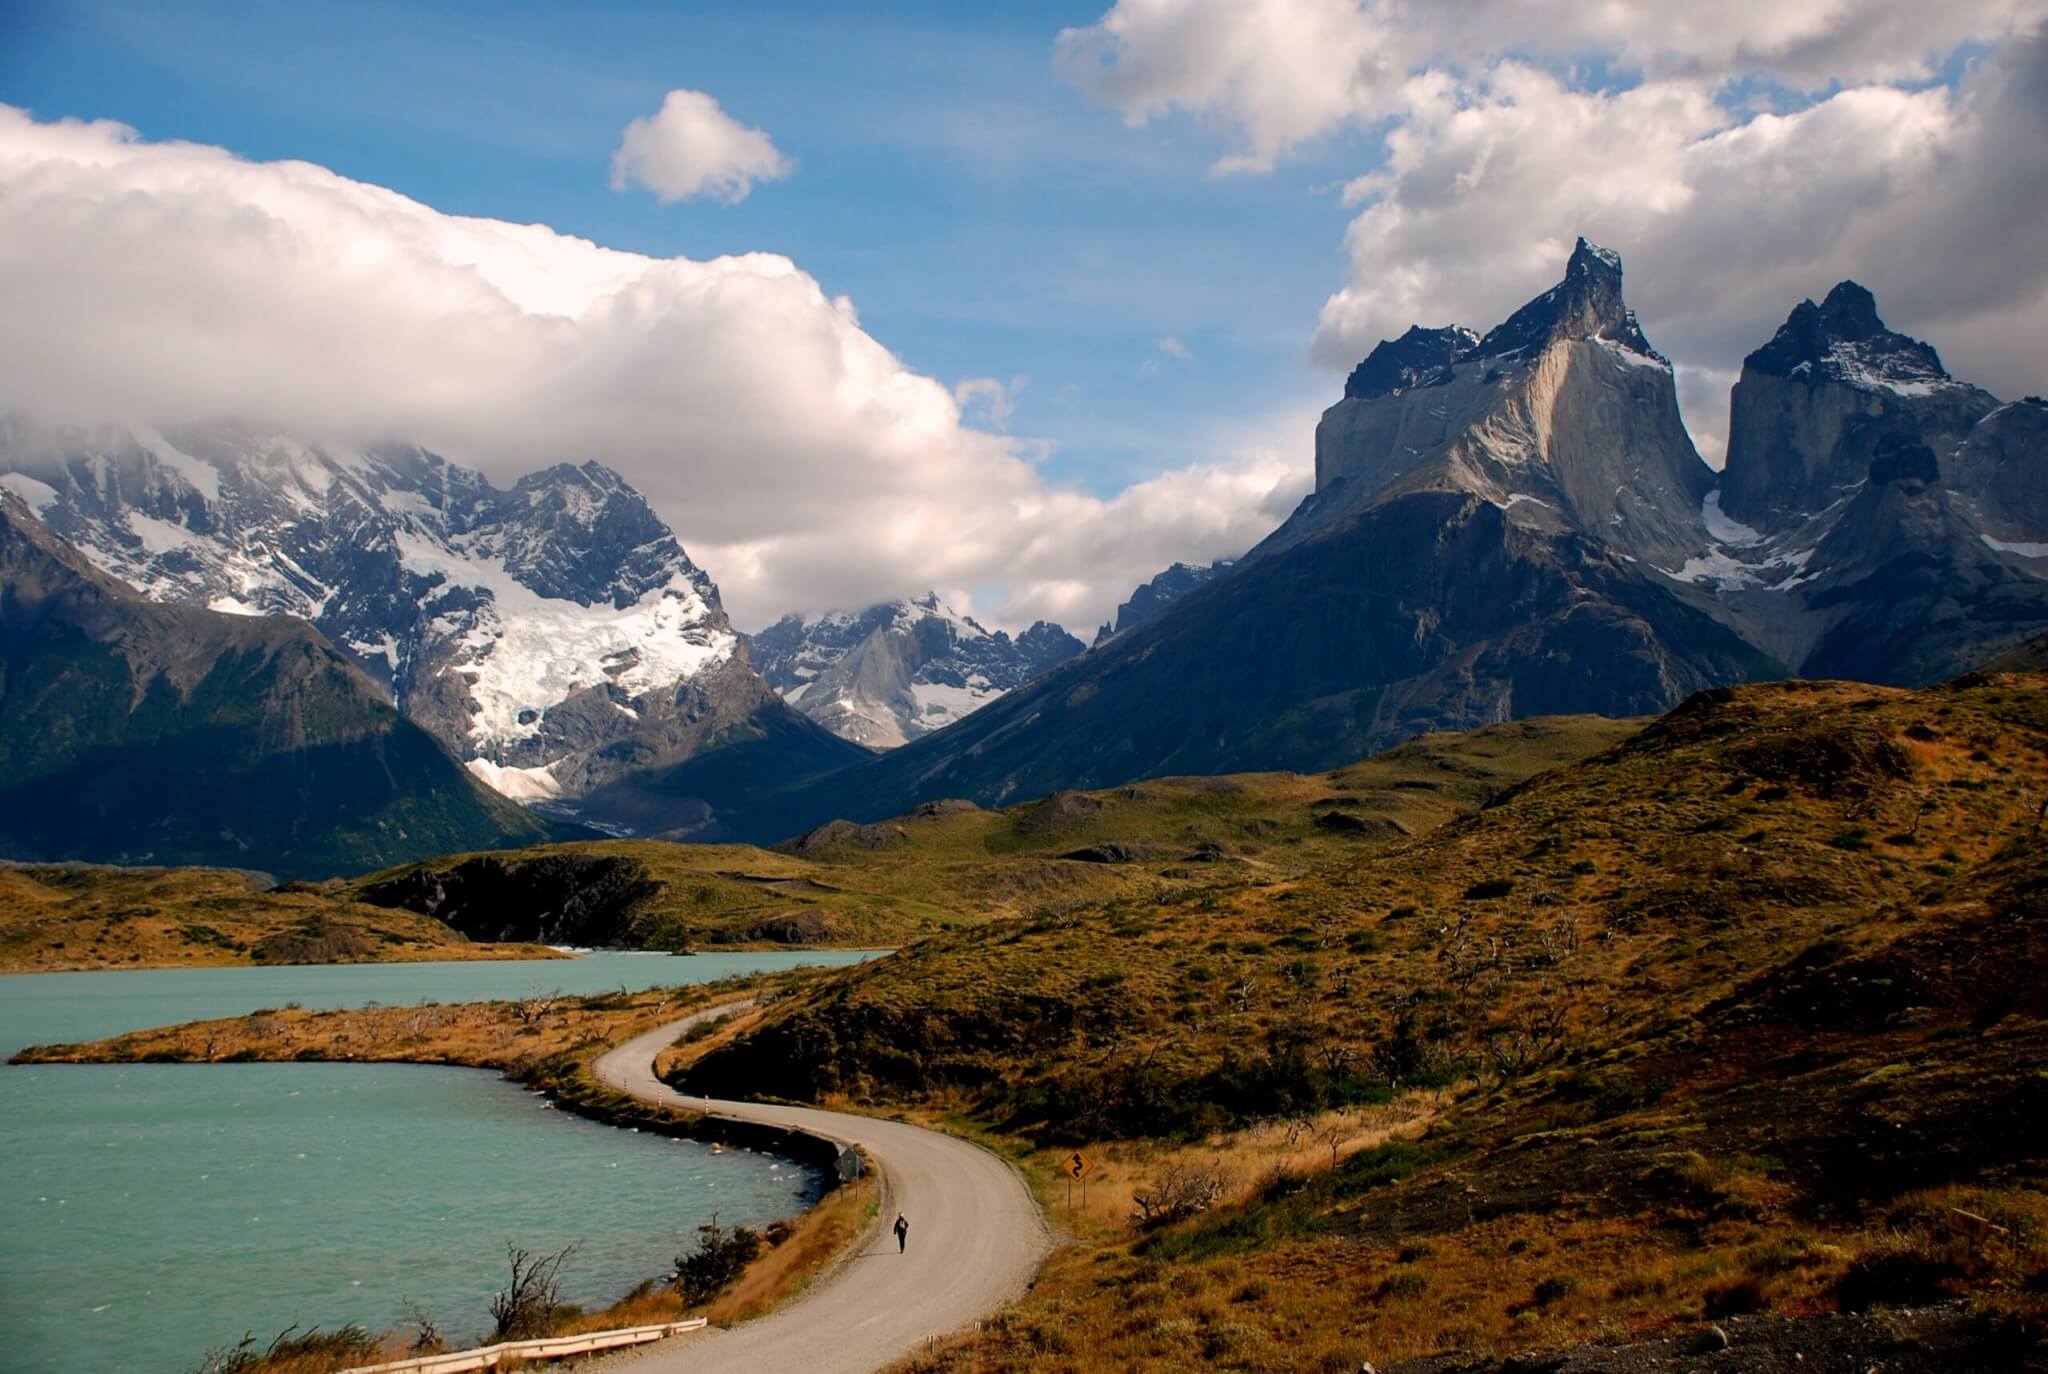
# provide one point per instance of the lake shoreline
(535, 1058)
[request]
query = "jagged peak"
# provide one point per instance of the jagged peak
(1587, 304)
(1843, 339)
(1419, 357)
(1849, 311)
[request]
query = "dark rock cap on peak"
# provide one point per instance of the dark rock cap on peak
(1846, 322)
(1587, 304)
(1417, 358)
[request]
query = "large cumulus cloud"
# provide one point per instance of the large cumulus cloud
(799, 460)
(1741, 156)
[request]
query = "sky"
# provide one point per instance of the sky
(1022, 302)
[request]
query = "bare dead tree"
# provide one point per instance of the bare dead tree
(1334, 1135)
(535, 1009)
(523, 1307)
(427, 1338)
(1180, 1191)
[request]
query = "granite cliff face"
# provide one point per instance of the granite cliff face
(139, 732)
(1563, 415)
(1812, 405)
(553, 635)
(1877, 519)
(894, 672)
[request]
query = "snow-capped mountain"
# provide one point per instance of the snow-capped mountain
(1162, 591)
(893, 672)
(553, 636)
(139, 732)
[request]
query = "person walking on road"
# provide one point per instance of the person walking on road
(902, 1232)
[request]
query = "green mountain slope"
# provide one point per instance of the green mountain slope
(1431, 611)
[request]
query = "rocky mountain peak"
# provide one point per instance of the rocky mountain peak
(900, 669)
(1843, 339)
(1815, 403)
(1162, 591)
(1418, 358)
(1587, 304)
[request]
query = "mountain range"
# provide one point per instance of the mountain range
(554, 636)
(1516, 522)
(1504, 523)
(900, 670)
(137, 732)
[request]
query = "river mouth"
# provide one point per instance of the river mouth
(149, 1212)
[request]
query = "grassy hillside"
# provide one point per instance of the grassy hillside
(57, 916)
(1743, 1015)
(944, 867)
(1518, 624)
(951, 865)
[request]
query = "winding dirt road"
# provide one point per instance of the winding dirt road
(976, 1240)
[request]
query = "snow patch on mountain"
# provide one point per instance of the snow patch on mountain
(521, 652)
(39, 496)
(520, 784)
(1726, 529)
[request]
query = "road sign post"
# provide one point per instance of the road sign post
(1077, 1166)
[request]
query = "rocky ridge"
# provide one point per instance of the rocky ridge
(1162, 591)
(553, 635)
(1516, 521)
(899, 670)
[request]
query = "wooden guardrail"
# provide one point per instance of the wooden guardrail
(549, 1348)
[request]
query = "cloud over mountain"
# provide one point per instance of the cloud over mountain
(799, 460)
(1739, 155)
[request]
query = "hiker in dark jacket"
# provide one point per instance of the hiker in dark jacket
(902, 1232)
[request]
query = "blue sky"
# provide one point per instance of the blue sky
(1272, 184)
(985, 219)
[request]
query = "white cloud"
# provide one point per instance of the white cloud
(799, 460)
(691, 147)
(1174, 348)
(1282, 72)
(1726, 221)
(989, 400)
(1498, 151)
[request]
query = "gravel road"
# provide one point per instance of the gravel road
(976, 1241)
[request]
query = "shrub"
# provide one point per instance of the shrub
(1737, 1297)
(1402, 1283)
(1179, 1192)
(1490, 889)
(720, 1257)
(1556, 1288)
(332, 1349)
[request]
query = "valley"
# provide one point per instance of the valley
(1275, 686)
(1517, 1079)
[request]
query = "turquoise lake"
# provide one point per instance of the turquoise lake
(149, 1212)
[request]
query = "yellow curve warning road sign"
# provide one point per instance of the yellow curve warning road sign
(1076, 1165)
